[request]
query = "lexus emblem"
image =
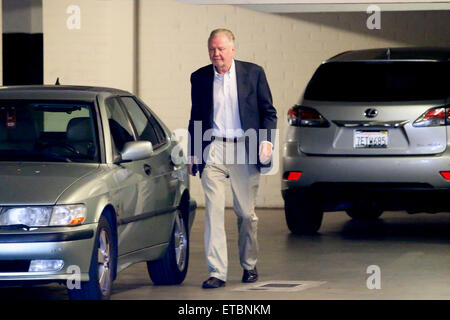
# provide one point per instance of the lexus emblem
(371, 113)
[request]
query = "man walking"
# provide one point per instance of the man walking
(230, 138)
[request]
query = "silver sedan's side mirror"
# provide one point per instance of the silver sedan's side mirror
(136, 150)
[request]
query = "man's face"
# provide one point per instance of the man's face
(221, 52)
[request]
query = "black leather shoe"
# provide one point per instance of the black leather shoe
(250, 276)
(213, 283)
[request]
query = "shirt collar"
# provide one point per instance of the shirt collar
(229, 72)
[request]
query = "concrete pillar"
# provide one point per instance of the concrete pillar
(22, 42)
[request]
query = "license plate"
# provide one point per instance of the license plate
(370, 139)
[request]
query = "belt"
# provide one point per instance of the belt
(233, 140)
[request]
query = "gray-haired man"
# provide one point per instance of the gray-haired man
(231, 101)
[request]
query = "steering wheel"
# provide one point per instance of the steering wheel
(62, 145)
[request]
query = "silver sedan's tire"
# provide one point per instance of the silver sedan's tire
(171, 269)
(103, 264)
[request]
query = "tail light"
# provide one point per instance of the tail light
(300, 116)
(445, 175)
(292, 175)
(435, 117)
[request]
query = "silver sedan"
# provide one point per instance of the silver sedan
(91, 182)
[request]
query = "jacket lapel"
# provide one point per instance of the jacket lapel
(209, 88)
(242, 89)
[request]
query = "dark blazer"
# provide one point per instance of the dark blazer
(256, 110)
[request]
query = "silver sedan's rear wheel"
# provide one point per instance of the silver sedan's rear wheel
(103, 264)
(172, 267)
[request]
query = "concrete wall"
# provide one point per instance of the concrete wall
(99, 53)
(172, 41)
(23, 16)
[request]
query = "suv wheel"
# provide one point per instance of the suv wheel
(101, 271)
(302, 216)
(364, 212)
(172, 267)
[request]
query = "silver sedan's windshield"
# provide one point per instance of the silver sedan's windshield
(47, 131)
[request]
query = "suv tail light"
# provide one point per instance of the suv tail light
(445, 175)
(300, 116)
(439, 116)
(292, 175)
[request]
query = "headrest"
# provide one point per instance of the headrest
(79, 129)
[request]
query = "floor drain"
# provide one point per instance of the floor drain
(280, 286)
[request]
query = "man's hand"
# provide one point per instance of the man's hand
(265, 152)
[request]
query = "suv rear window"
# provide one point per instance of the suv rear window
(380, 81)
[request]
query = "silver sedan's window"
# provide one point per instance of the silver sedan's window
(140, 120)
(119, 126)
(47, 131)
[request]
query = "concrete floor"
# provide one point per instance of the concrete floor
(412, 252)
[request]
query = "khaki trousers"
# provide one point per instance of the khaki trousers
(244, 181)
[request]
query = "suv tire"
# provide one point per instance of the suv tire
(302, 216)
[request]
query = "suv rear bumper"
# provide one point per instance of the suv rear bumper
(412, 183)
(337, 197)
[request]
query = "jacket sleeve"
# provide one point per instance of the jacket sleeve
(267, 112)
(195, 117)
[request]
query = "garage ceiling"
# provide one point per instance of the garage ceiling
(291, 6)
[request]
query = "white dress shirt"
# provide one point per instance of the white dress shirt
(227, 122)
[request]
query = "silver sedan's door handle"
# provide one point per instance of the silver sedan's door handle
(147, 169)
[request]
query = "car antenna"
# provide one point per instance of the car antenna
(57, 82)
(388, 53)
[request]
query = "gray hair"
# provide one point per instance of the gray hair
(220, 31)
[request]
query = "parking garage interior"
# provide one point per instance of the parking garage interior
(150, 48)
